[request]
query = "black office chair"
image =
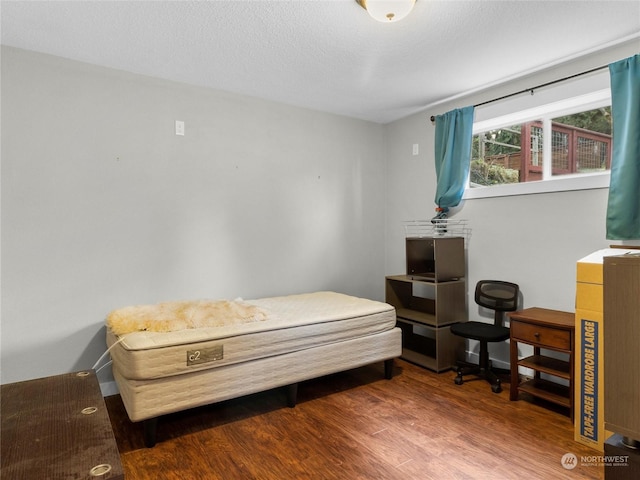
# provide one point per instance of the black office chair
(500, 297)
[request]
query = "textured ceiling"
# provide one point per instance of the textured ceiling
(327, 55)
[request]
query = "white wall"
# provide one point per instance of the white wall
(103, 206)
(532, 240)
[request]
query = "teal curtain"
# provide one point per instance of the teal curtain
(454, 131)
(623, 209)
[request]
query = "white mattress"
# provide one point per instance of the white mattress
(145, 399)
(294, 323)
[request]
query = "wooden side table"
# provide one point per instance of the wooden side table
(550, 330)
(57, 428)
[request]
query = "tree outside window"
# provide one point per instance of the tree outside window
(580, 143)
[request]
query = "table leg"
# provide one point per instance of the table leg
(515, 377)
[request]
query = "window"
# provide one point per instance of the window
(558, 144)
(580, 143)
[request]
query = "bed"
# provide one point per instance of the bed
(175, 356)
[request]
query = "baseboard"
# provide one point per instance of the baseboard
(109, 388)
(473, 357)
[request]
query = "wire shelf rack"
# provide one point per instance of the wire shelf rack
(438, 227)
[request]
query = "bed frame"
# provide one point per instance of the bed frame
(147, 399)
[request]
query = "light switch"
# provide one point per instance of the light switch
(179, 127)
(416, 149)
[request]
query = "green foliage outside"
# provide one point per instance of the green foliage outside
(507, 140)
(598, 120)
(490, 144)
(483, 173)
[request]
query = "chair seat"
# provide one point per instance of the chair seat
(480, 331)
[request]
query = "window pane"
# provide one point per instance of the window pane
(580, 143)
(534, 157)
(560, 146)
(498, 155)
(583, 142)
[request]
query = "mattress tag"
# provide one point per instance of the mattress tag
(204, 355)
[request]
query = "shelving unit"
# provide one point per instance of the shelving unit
(549, 330)
(430, 298)
(424, 312)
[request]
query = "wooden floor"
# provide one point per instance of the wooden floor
(357, 425)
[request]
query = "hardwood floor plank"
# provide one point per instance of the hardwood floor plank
(357, 425)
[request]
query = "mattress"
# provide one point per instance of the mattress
(145, 399)
(294, 323)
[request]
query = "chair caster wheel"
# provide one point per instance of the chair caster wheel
(458, 380)
(496, 388)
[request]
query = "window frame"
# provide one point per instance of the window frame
(544, 113)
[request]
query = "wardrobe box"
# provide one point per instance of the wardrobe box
(589, 364)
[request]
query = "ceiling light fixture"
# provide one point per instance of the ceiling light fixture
(387, 10)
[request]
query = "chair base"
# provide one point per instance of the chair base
(465, 368)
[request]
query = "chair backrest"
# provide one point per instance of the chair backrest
(498, 296)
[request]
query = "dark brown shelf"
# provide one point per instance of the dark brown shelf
(424, 312)
(420, 359)
(417, 279)
(420, 318)
(551, 366)
(550, 391)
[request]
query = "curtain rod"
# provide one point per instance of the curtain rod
(433, 118)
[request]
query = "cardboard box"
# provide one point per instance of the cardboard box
(589, 296)
(589, 269)
(589, 349)
(589, 380)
